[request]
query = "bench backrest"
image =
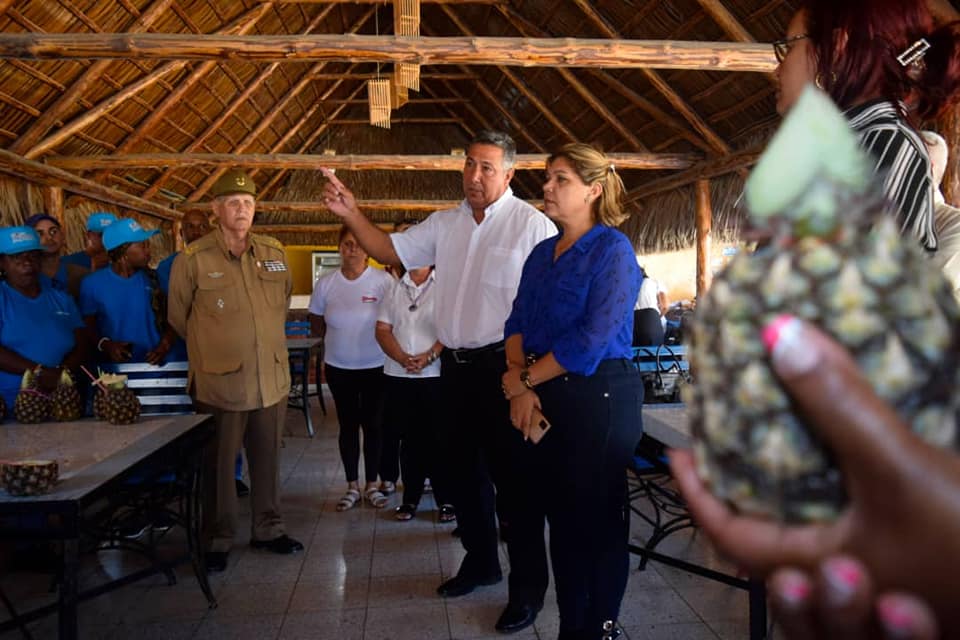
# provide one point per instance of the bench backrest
(162, 390)
(661, 358)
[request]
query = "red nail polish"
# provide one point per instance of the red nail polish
(843, 573)
(794, 590)
(771, 332)
(895, 617)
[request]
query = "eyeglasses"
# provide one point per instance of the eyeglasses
(782, 47)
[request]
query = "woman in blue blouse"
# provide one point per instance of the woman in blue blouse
(40, 327)
(568, 353)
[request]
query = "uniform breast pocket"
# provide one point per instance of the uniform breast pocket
(274, 287)
(217, 296)
(501, 267)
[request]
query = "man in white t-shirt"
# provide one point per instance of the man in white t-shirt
(648, 320)
(479, 249)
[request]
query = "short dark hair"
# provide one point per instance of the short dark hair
(501, 140)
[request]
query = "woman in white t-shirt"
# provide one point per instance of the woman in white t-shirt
(343, 311)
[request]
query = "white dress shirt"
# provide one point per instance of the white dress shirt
(478, 265)
(947, 257)
(415, 330)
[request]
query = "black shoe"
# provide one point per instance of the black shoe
(516, 617)
(242, 489)
(459, 586)
(284, 545)
(216, 561)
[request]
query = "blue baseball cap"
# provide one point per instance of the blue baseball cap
(37, 218)
(100, 220)
(125, 230)
(14, 240)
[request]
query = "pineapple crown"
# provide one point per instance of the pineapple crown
(810, 171)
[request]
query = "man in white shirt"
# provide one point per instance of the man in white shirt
(479, 249)
(946, 217)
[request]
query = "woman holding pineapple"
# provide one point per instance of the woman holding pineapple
(40, 328)
(568, 355)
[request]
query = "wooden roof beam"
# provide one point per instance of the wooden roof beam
(308, 143)
(382, 1)
(661, 85)
(347, 162)
(69, 98)
(525, 29)
(4, 5)
(726, 20)
(42, 174)
(235, 104)
(507, 52)
(705, 170)
(521, 86)
(247, 21)
(267, 206)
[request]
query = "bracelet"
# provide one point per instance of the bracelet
(432, 357)
(100, 343)
(525, 378)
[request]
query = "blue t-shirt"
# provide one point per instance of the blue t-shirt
(122, 308)
(580, 307)
(81, 258)
(39, 329)
(178, 352)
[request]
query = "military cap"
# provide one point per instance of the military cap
(233, 181)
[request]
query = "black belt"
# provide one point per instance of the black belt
(470, 356)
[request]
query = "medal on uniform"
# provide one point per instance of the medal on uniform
(220, 304)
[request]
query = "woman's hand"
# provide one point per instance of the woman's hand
(903, 519)
(511, 384)
(118, 351)
(837, 600)
(521, 411)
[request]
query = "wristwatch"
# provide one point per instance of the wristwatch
(525, 378)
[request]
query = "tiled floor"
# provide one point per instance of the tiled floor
(365, 576)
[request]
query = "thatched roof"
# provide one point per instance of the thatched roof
(64, 106)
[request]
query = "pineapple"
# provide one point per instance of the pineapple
(66, 401)
(32, 405)
(117, 403)
(837, 260)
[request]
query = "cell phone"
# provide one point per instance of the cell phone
(540, 426)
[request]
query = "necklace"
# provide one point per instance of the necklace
(415, 302)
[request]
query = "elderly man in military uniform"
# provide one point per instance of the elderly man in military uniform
(229, 293)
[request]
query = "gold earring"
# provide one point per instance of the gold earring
(586, 199)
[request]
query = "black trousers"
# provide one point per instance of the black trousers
(582, 463)
(412, 415)
(358, 396)
(490, 466)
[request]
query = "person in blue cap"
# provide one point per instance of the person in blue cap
(124, 305)
(40, 327)
(94, 255)
(63, 275)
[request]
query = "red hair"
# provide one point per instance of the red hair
(856, 43)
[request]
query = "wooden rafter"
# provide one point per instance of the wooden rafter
(42, 174)
(519, 52)
(347, 162)
(235, 104)
(661, 85)
(703, 171)
(521, 86)
(266, 206)
(89, 77)
(175, 97)
(726, 20)
(526, 29)
(308, 143)
(4, 5)
(382, 1)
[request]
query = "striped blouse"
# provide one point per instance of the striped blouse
(902, 163)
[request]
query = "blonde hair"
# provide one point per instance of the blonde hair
(594, 167)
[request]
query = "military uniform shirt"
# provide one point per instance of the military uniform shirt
(232, 312)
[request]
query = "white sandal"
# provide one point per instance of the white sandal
(349, 500)
(375, 498)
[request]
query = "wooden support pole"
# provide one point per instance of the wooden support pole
(514, 52)
(704, 226)
(53, 202)
(42, 174)
(348, 162)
